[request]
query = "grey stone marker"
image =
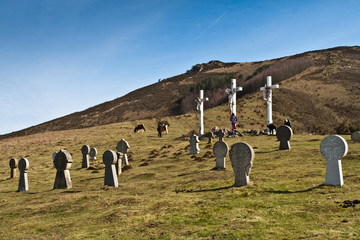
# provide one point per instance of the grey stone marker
(110, 158)
(241, 157)
(23, 166)
(333, 148)
(53, 158)
(13, 163)
(63, 161)
(284, 134)
(118, 164)
(85, 161)
(220, 151)
(194, 144)
(355, 136)
(122, 147)
(93, 153)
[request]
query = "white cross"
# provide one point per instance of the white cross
(232, 95)
(267, 95)
(200, 107)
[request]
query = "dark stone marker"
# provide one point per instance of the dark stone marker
(85, 161)
(13, 163)
(110, 158)
(23, 179)
(63, 161)
(284, 134)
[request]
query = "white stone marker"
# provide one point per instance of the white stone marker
(122, 147)
(241, 157)
(194, 145)
(23, 166)
(355, 136)
(232, 95)
(333, 148)
(267, 95)
(53, 158)
(85, 151)
(92, 153)
(220, 151)
(200, 107)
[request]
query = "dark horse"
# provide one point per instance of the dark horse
(163, 127)
(271, 127)
(138, 127)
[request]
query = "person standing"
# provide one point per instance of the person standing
(287, 123)
(233, 120)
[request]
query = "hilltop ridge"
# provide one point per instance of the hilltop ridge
(320, 91)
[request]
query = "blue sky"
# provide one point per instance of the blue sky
(62, 56)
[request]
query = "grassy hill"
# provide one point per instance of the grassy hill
(168, 194)
(319, 91)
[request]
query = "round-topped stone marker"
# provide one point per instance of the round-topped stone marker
(93, 153)
(85, 161)
(241, 157)
(63, 161)
(220, 151)
(284, 134)
(110, 158)
(333, 148)
(13, 163)
(23, 166)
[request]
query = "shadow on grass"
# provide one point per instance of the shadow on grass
(275, 150)
(214, 189)
(300, 191)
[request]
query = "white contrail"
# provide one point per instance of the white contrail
(207, 29)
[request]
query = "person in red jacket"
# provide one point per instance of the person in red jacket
(233, 120)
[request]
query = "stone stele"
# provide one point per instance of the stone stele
(23, 166)
(122, 147)
(118, 164)
(93, 153)
(63, 161)
(110, 158)
(53, 158)
(13, 163)
(220, 151)
(284, 134)
(194, 144)
(355, 136)
(85, 161)
(333, 148)
(241, 157)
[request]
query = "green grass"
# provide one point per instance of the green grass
(286, 198)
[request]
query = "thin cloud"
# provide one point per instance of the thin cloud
(211, 25)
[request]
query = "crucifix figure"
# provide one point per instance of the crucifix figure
(200, 107)
(232, 95)
(267, 95)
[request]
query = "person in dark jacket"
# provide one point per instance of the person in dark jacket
(287, 122)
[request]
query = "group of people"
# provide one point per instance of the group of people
(271, 126)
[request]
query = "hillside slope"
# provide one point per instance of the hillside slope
(319, 90)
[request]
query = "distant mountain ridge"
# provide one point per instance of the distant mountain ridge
(319, 89)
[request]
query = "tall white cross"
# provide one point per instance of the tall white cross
(267, 95)
(200, 106)
(232, 95)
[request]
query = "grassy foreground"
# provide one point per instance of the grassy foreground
(167, 194)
